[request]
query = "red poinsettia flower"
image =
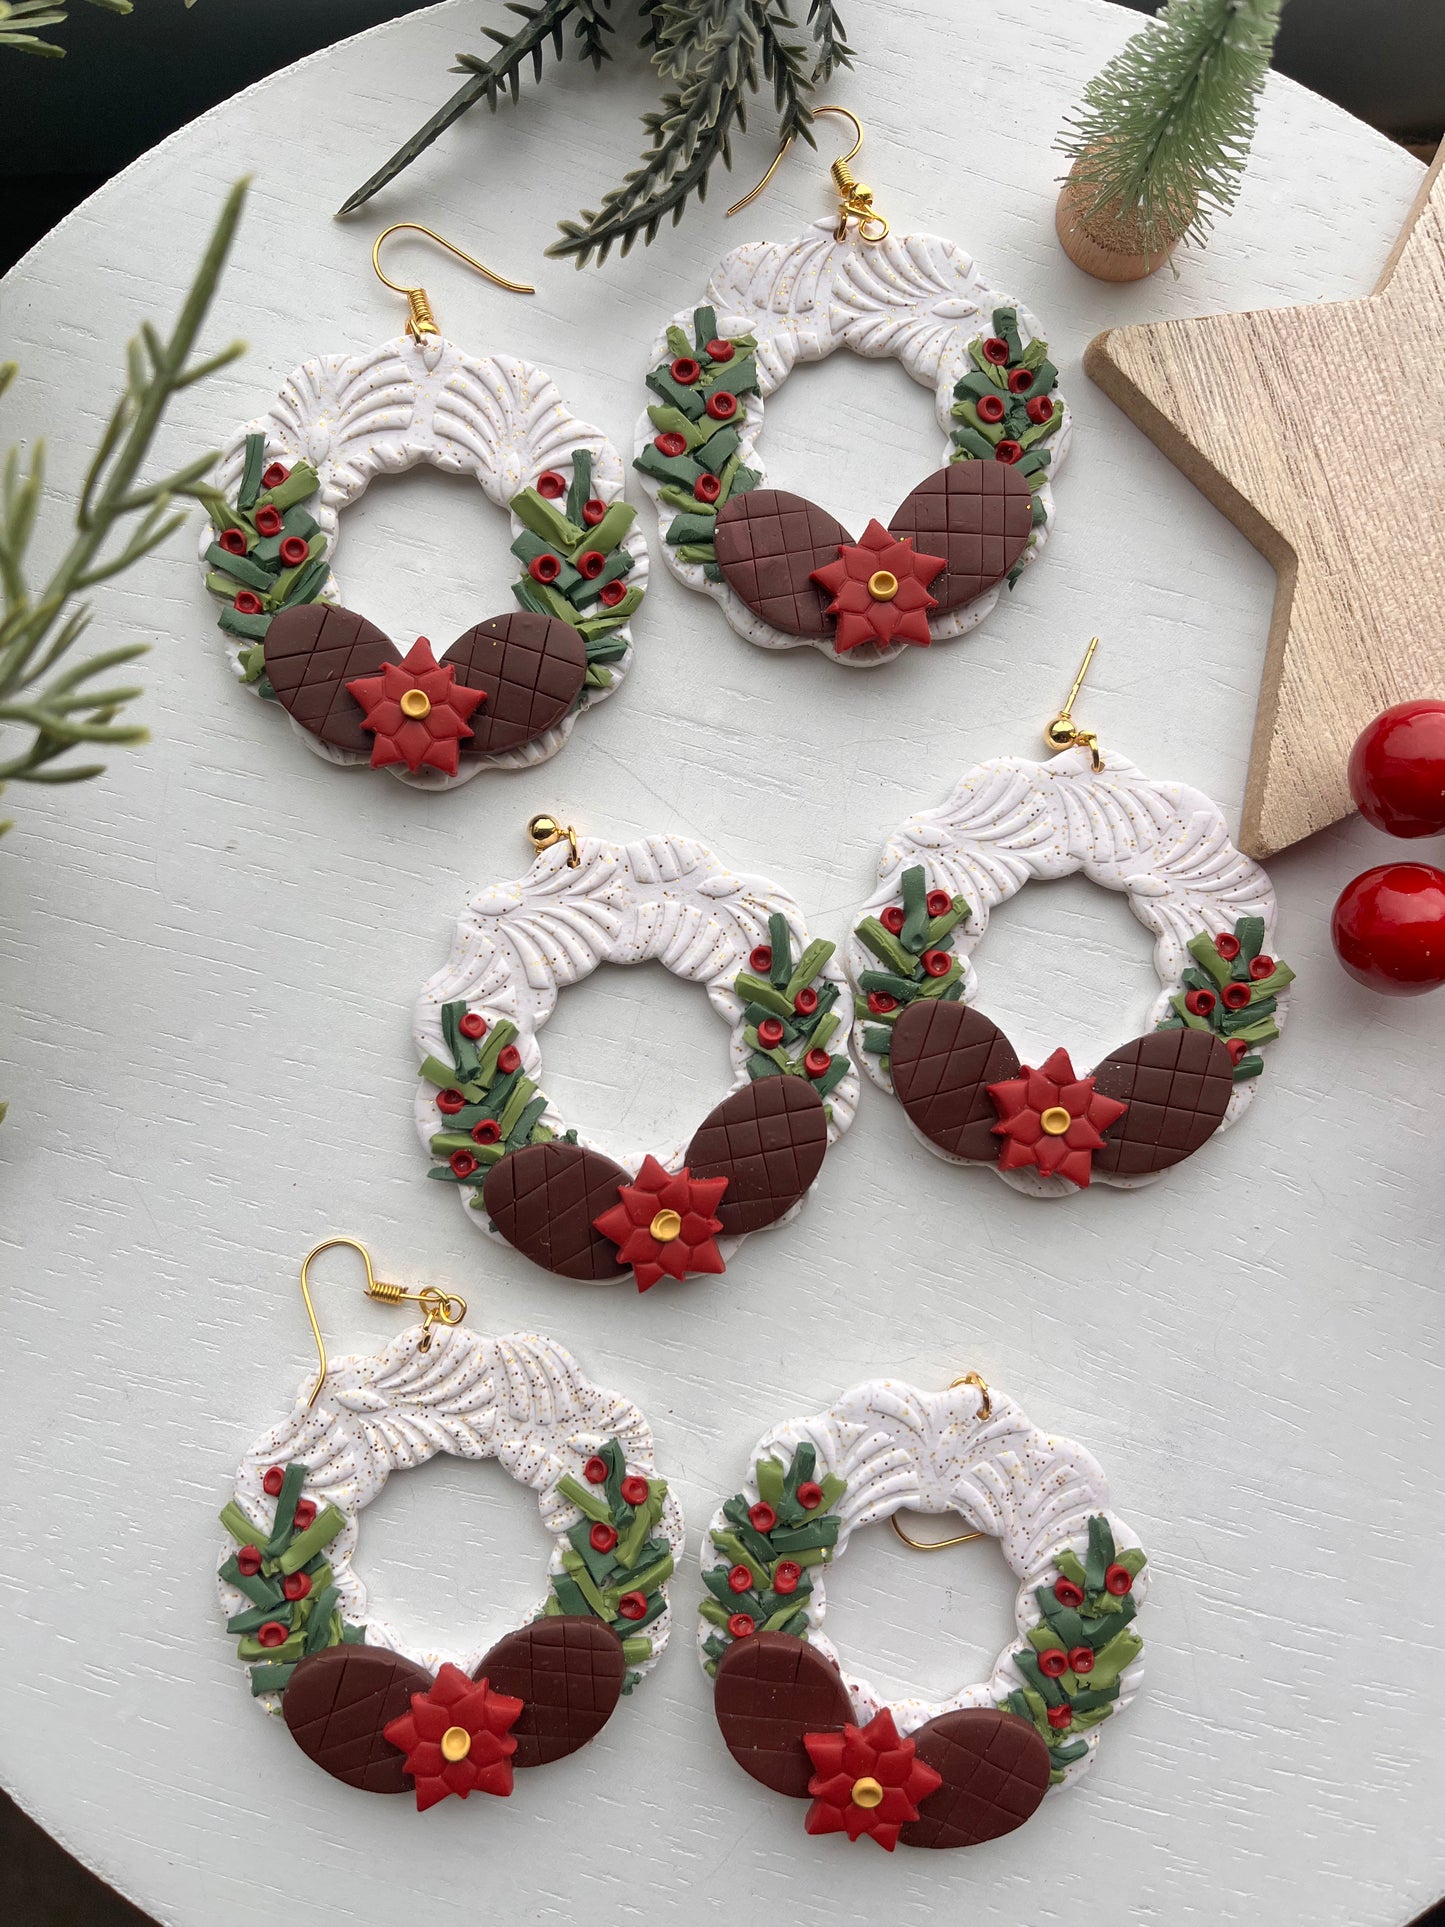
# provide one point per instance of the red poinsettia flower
(880, 590)
(457, 1738)
(1052, 1119)
(417, 711)
(664, 1223)
(867, 1781)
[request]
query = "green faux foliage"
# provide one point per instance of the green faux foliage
(1163, 133)
(19, 20)
(712, 55)
(54, 706)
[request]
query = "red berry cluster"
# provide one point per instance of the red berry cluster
(1389, 923)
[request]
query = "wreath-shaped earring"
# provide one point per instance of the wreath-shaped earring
(784, 570)
(507, 692)
(367, 1708)
(562, 1200)
(1224, 992)
(975, 1765)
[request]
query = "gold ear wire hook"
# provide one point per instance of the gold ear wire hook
(1061, 732)
(985, 1411)
(422, 322)
(855, 197)
(545, 831)
(440, 1307)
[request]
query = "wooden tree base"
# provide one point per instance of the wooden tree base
(1106, 246)
(1318, 432)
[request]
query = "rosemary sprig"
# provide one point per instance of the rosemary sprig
(118, 520)
(19, 20)
(715, 54)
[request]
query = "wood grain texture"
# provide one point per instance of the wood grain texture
(1320, 432)
(208, 960)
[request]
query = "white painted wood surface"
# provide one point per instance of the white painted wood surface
(210, 957)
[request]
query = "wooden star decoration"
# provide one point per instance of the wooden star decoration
(1320, 432)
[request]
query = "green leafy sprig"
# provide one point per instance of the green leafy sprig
(286, 1548)
(1249, 1021)
(904, 977)
(1162, 136)
(597, 1581)
(119, 519)
(20, 19)
(1100, 1625)
(505, 1104)
(802, 1536)
(715, 54)
(776, 996)
(712, 445)
(977, 439)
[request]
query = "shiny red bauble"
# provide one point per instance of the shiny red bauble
(1389, 928)
(1397, 770)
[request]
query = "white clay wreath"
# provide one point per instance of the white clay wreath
(343, 1678)
(499, 420)
(913, 298)
(1074, 1662)
(481, 1110)
(1166, 847)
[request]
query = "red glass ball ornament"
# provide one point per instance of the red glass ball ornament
(1389, 928)
(1397, 769)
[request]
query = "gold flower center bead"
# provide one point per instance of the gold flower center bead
(666, 1226)
(1056, 1120)
(867, 1793)
(416, 703)
(883, 585)
(456, 1743)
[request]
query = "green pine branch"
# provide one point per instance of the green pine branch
(1162, 135)
(716, 53)
(118, 520)
(19, 20)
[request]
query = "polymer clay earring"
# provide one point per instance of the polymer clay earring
(368, 1707)
(783, 569)
(562, 1200)
(1050, 1130)
(508, 692)
(924, 1773)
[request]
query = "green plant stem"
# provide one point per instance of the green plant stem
(37, 631)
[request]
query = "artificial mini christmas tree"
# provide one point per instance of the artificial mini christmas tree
(1162, 136)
